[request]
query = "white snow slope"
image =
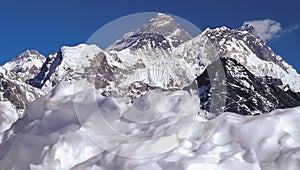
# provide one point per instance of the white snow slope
(160, 131)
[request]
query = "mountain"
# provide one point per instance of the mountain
(242, 46)
(15, 93)
(13, 76)
(64, 64)
(239, 91)
(254, 54)
(25, 66)
(160, 55)
(161, 32)
(144, 62)
(145, 59)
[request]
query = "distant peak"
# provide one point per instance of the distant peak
(161, 16)
(161, 25)
(161, 19)
(29, 54)
(222, 28)
(165, 25)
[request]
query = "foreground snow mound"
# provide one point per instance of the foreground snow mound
(73, 127)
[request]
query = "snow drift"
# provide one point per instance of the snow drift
(63, 130)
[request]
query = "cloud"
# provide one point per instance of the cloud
(265, 29)
(292, 28)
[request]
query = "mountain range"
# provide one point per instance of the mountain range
(161, 55)
(229, 70)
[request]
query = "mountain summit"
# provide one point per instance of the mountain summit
(165, 25)
(161, 31)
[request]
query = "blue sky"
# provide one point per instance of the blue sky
(47, 25)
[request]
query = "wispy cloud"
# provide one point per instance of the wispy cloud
(290, 29)
(265, 29)
(268, 29)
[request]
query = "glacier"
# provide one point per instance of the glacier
(70, 128)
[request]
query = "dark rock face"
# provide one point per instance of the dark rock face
(46, 71)
(13, 92)
(152, 40)
(245, 94)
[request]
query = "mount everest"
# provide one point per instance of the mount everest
(155, 70)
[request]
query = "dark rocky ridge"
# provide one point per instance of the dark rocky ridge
(245, 94)
(46, 71)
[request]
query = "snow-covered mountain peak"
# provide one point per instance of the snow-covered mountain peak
(23, 67)
(25, 59)
(78, 57)
(161, 19)
(29, 54)
(222, 28)
(162, 31)
(164, 25)
(144, 56)
(67, 62)
(15, 93)
(250, 51)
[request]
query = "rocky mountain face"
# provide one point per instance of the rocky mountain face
(235, 71)
(15, 94)
(240, 91)
(254, 54)
(255, 80)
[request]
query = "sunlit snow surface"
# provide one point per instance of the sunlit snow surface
(72, 127)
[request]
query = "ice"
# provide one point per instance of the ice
(79, 57)
(8, 116)
(75, 127)
(153, 76)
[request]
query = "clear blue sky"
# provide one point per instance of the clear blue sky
(47, 25)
